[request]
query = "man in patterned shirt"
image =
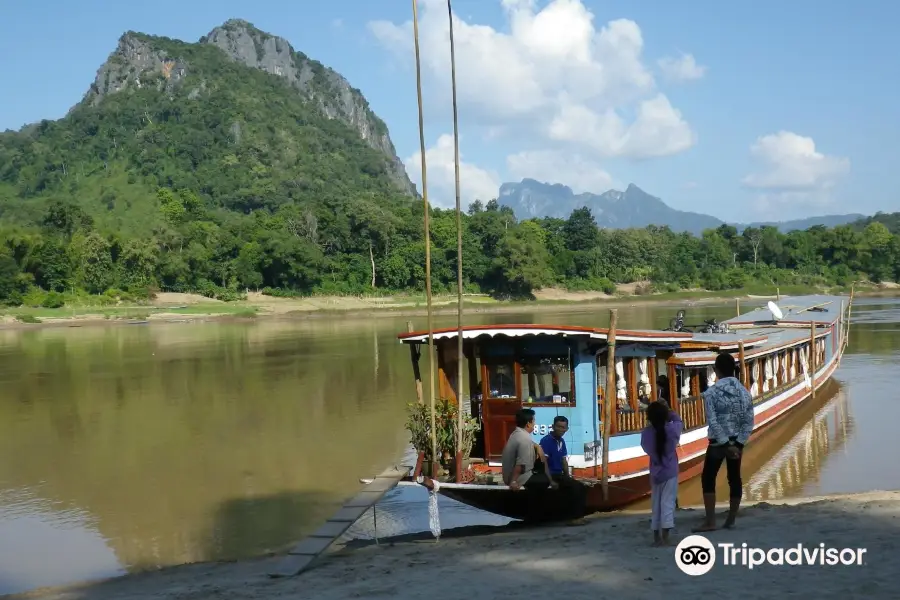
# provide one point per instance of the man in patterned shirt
(729, 417)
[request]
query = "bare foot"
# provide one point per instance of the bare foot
(657, 543)
(728, 524)
(704, 527)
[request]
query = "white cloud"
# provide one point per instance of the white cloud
(790, 162)
(579, 173)
(794, 177)
(552, 80)
(475, 183)
(683, 68)
(657, 131)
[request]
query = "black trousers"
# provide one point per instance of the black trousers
(537, 481)
(715, 456)
(568, 501)
(573, 495)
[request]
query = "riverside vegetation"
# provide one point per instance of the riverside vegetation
(197, 173)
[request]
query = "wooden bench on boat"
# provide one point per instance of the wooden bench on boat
(561, 370)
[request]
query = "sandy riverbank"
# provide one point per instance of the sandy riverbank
(176, 307)
(608, 558)
(170, 307)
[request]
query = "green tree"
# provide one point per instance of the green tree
(94, 270)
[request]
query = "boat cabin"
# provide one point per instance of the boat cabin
(562, 370)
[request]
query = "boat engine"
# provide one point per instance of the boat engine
(709, 325)
(713, 326)
(677, 324)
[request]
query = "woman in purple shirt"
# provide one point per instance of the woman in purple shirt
(659, 440)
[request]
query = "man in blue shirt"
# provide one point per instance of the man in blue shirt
(555, 450)
(556, 453)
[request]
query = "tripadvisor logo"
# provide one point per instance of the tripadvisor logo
(696, 555)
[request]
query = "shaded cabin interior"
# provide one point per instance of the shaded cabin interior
(559, 370)
(504, 372)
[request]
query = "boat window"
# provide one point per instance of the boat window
(601, 382)
(683, 382)
(450, 362)
(475, 377)
(502, 379)
(662, 369)
(547, 380)
(754, 370)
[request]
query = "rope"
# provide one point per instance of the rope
(375, 521)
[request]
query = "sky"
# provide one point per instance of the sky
(745, 111)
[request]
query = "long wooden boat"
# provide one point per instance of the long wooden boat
(785, 353)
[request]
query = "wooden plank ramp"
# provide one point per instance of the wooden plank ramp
(305, 553)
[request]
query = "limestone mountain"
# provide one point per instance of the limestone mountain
(273, 130)
(632, 208)
(612, 209)
(138, 55)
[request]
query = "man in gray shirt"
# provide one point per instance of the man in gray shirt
(519, 456)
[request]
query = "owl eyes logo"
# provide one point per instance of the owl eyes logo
(695, 555)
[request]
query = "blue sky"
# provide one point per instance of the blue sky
(787, 110)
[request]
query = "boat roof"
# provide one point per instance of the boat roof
(816, 308)
(721, 341)
(776, 338)
(757, 330)
(522, 330)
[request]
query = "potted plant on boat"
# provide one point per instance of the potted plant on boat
(418, 423)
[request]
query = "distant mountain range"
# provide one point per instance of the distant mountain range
(632, 208)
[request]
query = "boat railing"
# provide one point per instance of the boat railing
(691, 409)
(771, 393)
(628, 420)
(693, 412)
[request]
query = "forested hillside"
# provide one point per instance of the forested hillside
(185, 169)
(889, 220)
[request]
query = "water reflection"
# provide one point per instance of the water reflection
(188, 443)
(802, 459)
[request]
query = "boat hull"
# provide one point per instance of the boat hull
(623, 489)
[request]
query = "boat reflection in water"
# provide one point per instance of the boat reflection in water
(800, 462)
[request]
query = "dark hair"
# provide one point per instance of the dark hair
(524, 416)
(657, 415)
(559, 418)
(662, 384)
(725, 365)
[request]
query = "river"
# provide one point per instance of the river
(131, 447)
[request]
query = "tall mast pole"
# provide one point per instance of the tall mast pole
(431, 349)
(459, 259)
